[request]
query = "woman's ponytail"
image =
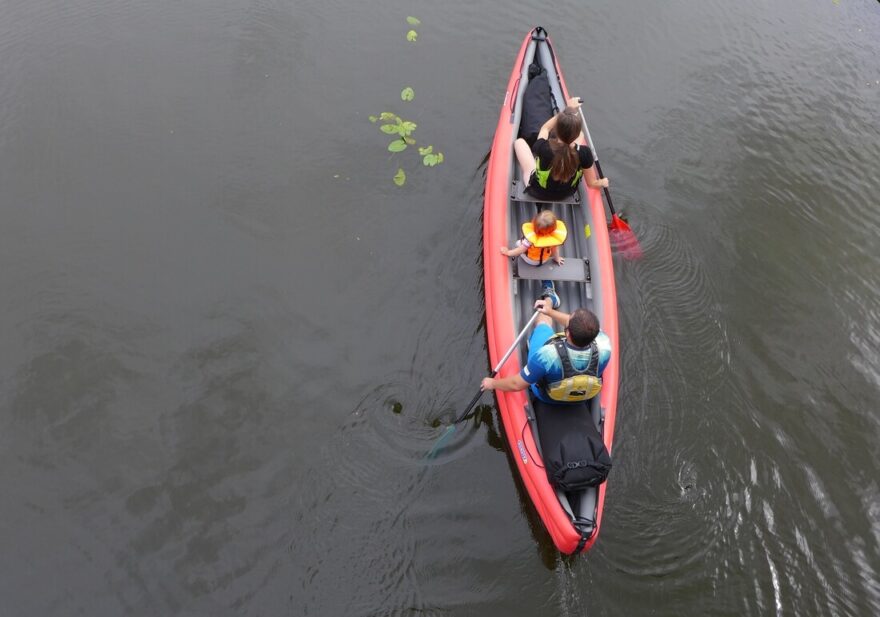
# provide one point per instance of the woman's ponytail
(565, 159)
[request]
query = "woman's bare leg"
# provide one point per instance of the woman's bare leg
(525, 158)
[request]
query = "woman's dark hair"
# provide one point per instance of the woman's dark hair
(583, 326)
(565, 159)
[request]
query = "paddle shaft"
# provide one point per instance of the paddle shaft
(596, 160)
(498, 367)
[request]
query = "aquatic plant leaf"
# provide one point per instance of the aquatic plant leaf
(412, 35)
(426, 150)
(399, 177)
(407, 94)
(430, 160)
(398, 145)
(409, 140)
(406, 127)
(390, 129)
(387, 115)
(373, 119)
(439, 157)
(413, 21)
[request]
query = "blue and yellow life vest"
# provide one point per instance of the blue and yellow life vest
(575, 386)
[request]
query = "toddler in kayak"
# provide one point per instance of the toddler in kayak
(542, 237)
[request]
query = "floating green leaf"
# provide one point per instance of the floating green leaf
(402, 130)
(398, 145)
(430, 160)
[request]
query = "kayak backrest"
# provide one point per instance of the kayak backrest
(518, 193)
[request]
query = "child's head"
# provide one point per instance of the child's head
(544, 223)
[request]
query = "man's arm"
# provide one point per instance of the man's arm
(515, 383)
(557, 316)
(512, 383)
(543, 306)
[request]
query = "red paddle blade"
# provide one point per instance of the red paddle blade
(623, 240)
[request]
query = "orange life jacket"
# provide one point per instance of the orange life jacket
(542, 245)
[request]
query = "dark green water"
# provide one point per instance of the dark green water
(226, 334)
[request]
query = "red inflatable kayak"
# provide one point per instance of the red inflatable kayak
(586, 280)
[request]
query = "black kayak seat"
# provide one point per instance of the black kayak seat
(518, 193)
(574, 269)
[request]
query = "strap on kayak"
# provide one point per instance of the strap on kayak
(582, 542)
(585, 536)
(522, 437)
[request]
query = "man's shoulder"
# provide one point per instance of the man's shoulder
(548, 356)
(603, 342)
(540, 362)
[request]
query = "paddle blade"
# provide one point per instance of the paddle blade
(438, 445)
(623, 240)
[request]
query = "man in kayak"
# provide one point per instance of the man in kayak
(564, 368)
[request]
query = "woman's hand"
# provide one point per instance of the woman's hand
(574, 102)
(559, 259)
(505, 251)
(601, 183)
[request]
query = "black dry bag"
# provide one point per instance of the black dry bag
(579, 459)
(537, 107)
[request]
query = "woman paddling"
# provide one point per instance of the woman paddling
(555, 164)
